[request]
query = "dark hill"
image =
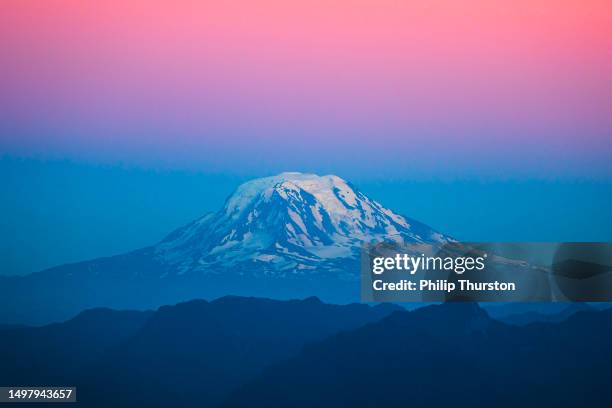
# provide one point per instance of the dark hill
(448, 355)
(193, 351)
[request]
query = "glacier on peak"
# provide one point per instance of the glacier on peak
(289, 222)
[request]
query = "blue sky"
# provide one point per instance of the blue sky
(58, 211)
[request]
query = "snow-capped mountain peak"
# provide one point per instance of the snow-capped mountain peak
(289, 222)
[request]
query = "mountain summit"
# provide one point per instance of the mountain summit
(290, 223)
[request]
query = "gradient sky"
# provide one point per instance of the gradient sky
(448, 87)
(489, 120)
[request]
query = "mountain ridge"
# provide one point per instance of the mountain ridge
(449, 354)
(195, 351)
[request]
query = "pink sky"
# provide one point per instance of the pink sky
(468, 75)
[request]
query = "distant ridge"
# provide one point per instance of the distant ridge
(446, 355)
(188, 354)
(239, 351)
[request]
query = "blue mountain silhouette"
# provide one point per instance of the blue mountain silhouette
(447, 355)
(193, 352)
(236, 352)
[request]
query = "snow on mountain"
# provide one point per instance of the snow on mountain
(288, 223)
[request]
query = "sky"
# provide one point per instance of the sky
(462, 100)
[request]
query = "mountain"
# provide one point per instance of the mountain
(289, 224)
(196, 351)
(236, 351)
(446, 355)
(288, 236)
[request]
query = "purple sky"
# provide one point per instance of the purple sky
(413, 90)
